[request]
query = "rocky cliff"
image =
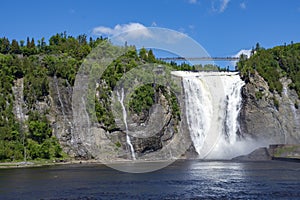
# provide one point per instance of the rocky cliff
(156, 138)
(270, 117)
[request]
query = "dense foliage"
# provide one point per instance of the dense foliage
(10, 135)
(273, 64)
(32, 138)
(36, 61)
(109, 79)
(142, 98)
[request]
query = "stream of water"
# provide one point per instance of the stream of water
(128, 141)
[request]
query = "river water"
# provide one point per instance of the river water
(181, 180)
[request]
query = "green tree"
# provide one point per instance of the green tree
(15, 49)
(82, 39)
(43, 43)
(4, 45)
(273, 64)
(22, 42)
(151, 57)
(28, 43)
(32, 43)
(257, 47)
(143, 54)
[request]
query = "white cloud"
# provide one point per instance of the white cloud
(102, 30)
(246, 52)
(153, 24)
(181, 30)
(150, 37)
(243, 5)
(135, 29)
(223, 6)
(220, 7)
(193, 1)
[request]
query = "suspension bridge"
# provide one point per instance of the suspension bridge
(200, 58)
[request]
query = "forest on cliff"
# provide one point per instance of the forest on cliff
(60, 57)
(273, 64)
(37, 61)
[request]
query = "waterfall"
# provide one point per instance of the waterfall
(213, 102)
(292, 106)
(198, 103)
(233, 100)
(59, 97)
(128, 141)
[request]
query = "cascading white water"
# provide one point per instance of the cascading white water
(128, 141)
(59, 98)
(292, 107)
(233, 99)
(198, 103)
(213, 101)
(230, 144)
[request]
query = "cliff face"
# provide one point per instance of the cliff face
(60, 113)
(270, 117)
(156, 138)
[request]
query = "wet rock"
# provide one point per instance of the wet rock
(260, 154)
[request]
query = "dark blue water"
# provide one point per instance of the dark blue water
(181, 180)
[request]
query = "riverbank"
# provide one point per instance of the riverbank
(43, 163)
(30, 164)
(285, 152)
(280, 152)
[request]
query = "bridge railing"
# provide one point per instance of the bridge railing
(200, 58)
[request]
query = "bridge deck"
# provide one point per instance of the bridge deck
(200, 58)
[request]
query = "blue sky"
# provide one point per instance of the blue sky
(222, 27)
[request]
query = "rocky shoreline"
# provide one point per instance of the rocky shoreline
(5, 165)
(280, 152)
(40, 164)
(283, 152)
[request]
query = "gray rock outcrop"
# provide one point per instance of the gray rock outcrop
(159, 137)
(270, 117)
(260, 154)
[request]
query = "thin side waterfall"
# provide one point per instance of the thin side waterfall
(292, 106)
(59, 98)
(128, 141)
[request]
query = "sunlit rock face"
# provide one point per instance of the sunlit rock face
(267, 120)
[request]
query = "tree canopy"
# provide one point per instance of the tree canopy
(273, 64)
